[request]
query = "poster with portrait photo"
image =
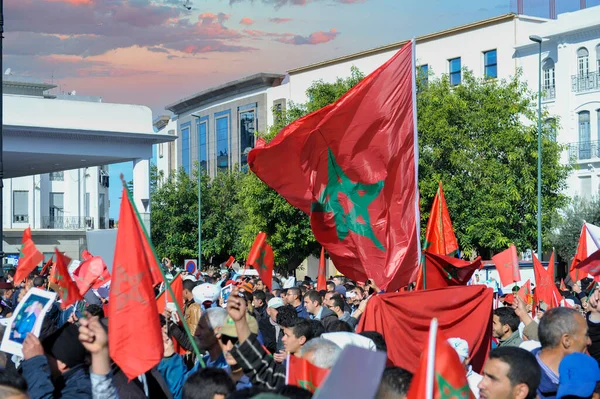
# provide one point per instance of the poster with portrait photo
(27, 318)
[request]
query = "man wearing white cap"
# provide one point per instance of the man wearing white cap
(268, 326)
(462, 349)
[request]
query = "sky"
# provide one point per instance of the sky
(155, 52)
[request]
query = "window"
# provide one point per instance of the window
(57, 201)
(598, 58)
(222, 132)
(548, 73)
(490, 64)
(160, 150)
(584, 135)
(86, 205)
(57, 176)
(21, 206)
(247, 131)
(185, 147)
(551, 125)
(102, 211)
(586, 187)
(583, 66)
(423, 74)
(454, 71)
(202, 127)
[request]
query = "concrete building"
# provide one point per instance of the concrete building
(56, 148)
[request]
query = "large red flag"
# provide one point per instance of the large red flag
(575, 273)
(444, 271)
(165, 296)
(303, 374)
(439, 236)
(29, 257)
(550, 268)
(545, 289)
(507, 264)
(322, 278)
(46, 269)
(261, 257)
(67, 289)
(134, 330)
(403, 320)
(92, 273)
(447, 378)
(352, 166)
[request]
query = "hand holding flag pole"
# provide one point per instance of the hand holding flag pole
(167, 285)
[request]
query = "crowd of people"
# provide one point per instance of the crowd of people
(245, 340)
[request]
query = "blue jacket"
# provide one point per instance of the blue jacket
(547, 388)
(175, 373)
(73, 384)
(302, 312)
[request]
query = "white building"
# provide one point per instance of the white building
(55, 151)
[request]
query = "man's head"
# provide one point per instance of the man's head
(327, 299)
(564, 330)
(64, 350)
(394, 383)
(296, 335)
(510, 373)
(330, 286)
(579, 377)
(293, 296)
(259, 286)
(95, 310)
(259, 299)
(12, 385)
(188, 287)
(38, 282)
(228, 337)
(273, 308)
(339, 280)
(337, 304)
(505, 322)
(312, 302)
(321, 352)
(209, 326)
(208, 383)
(276, 292)
(461, 347)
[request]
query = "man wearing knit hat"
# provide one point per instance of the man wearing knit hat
(462, 349)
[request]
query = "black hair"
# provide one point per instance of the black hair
(286, 316)
(96, 310)
(323, 293)
(555, 323)
(211, 280)
(260, 295)
(303, 290)
(524, 368)
(189, 285)
(508, 316)
(377, 339)
(338, 326)
(296, 291)
(330, 283)
(317, 327)
(337, 300)
(276, 292)
(38, 281)
(302, 328)
(292, 391)
(314, 296)
(206, 383)
(395, 382)
(12, 379)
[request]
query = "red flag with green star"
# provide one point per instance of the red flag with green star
(134, 330)
(445, 271)
(303, 374)
(449, 380)
(525, 293)
(67, 289)
(545, 289)
(507, 264)
(29, 257)
(352, 166)
(261, 257)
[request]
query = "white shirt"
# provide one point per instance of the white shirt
(474, 379)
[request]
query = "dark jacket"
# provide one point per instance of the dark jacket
(267, 330)
(327, 317)
(75, 383)
(157, 387)
(594, 333)
(261, 313)
(302, 312)
(258, 365)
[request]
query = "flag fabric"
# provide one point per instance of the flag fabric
(303, 374)
(29, 257)
(67, 289)
(352, 166)
(92, 273)
(545, 289)
(563, 286)
(85, 255)
(261, 257)
(590, 266)
(525, 293)
(448, 380)
(589, 242)
(403, 320)
(134, 329)
(507, 264)
(47, 266)
(550, 268)
(444, 271)
(165, 296)
(321, 277)
(439, 236)
(229, 261)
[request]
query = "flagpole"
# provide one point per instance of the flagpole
(431, 359)
(167, 285)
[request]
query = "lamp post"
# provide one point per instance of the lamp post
(1, 140)
(199, 205)
(538, 40)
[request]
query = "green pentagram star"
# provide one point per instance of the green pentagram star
(451, 272)
(261, 259)
(360, 195)
(307, 385)
(447, 391)
(126, 290)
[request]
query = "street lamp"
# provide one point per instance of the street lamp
(1, 139)
(199, 206)
(538, 40)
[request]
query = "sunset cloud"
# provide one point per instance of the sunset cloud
(280, 20)
(313, 38)
(73, 2)
(246, 21)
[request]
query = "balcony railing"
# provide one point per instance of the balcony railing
(549, 93)
(588, 82)
(584, 150)
(67, 222)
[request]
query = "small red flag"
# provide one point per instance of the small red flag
(563, 286)
(46, 269)
(550, 268)
(165, 296)
(230, 261)
(134, 329)
(85, 255)
(507, 264)
(261, 257)
(29, 257)
(545, 289)
(525, 293)
(447, 379)
(304, 374)
(322, 278)
(92, 273)
(67, 289)
(439, 236)
(444, 271)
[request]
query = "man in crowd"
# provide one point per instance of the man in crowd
(260, 286)
(462, 350)
(330, 286)
(269, 329)
(506, 327)
(394, 383)
(259, 302)
(192, 310)
(294, 297)
(313, 303)
(337, 306)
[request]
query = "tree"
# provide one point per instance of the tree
(480, 139)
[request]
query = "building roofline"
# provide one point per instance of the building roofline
(422, 38)
(225, 90)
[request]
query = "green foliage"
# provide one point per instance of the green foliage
(480, 140)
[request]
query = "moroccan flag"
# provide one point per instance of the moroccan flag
(85, 255)
(29, 257)
(545, 289)
(164, 297)
(92, 273)
(439, 236)
(352, 166)
(563, 286)
(444, 271)
(303, 374)
(525, 292)
(322, 278)
(403, 320)
(507, 264)
(230, 261)
(447, 379)
(134, 330)
(550, 268)
(67, 289)
(46, 269)
(261, 257)
(589, 242)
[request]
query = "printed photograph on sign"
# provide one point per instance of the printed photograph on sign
(27, 318)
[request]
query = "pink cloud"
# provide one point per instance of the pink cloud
(246, 21)
(280, 20)
(73, 2)
(218, 47)
(313, 38)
